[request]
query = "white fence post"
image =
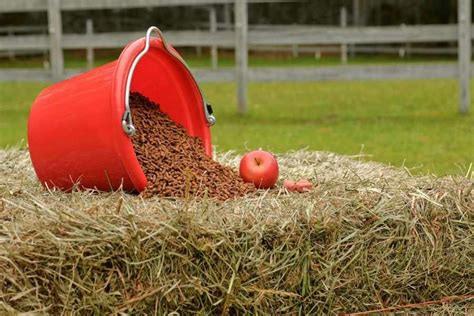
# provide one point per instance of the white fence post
(464, 51)
(90, 49)
(241, 53)
(295, 52)
(11, 53)
(56, 57)
(228, 16)
(343, 45)
(213, 29)
(198, 48)
(355, 22)
(199, 51)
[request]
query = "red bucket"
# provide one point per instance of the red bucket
(79, 129)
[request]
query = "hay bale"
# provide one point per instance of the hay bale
(367, 237)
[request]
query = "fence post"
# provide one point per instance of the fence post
(355, 22)
(198, 48)
(199, 51)
(56, 57)
(295, 51)
(90, 49)
(228, 16)
(241, 53)
(464, 54)
(213, 29)
(11, 53)
(343, 45)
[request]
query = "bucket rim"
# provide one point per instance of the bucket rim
(122, 142)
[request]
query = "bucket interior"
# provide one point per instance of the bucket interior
(165, 81)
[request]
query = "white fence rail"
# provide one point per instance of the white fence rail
(241, 38)
(73, 5)
(226, 39)
(442, 70)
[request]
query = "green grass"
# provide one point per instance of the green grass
(74, 60)
(15, 102)
(70, 62)
(283, 60)
(413, 123)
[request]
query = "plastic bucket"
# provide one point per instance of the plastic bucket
(79, 130)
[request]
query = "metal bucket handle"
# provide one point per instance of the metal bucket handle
(127, 123)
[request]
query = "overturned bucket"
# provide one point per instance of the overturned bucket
(80, 129)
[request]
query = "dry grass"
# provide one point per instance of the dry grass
(367, 237)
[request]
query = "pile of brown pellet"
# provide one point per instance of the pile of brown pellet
(175, 164)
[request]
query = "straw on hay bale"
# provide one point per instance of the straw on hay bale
(367, 237)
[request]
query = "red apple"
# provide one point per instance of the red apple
(303, 185)
(260, 168)
(289, 185)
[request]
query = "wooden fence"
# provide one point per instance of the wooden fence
(73, 5)
(241, 38)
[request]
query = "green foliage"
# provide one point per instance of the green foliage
(316, 12)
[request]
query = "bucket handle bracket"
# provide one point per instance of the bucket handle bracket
(127, 122)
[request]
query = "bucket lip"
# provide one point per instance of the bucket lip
(123, 143)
